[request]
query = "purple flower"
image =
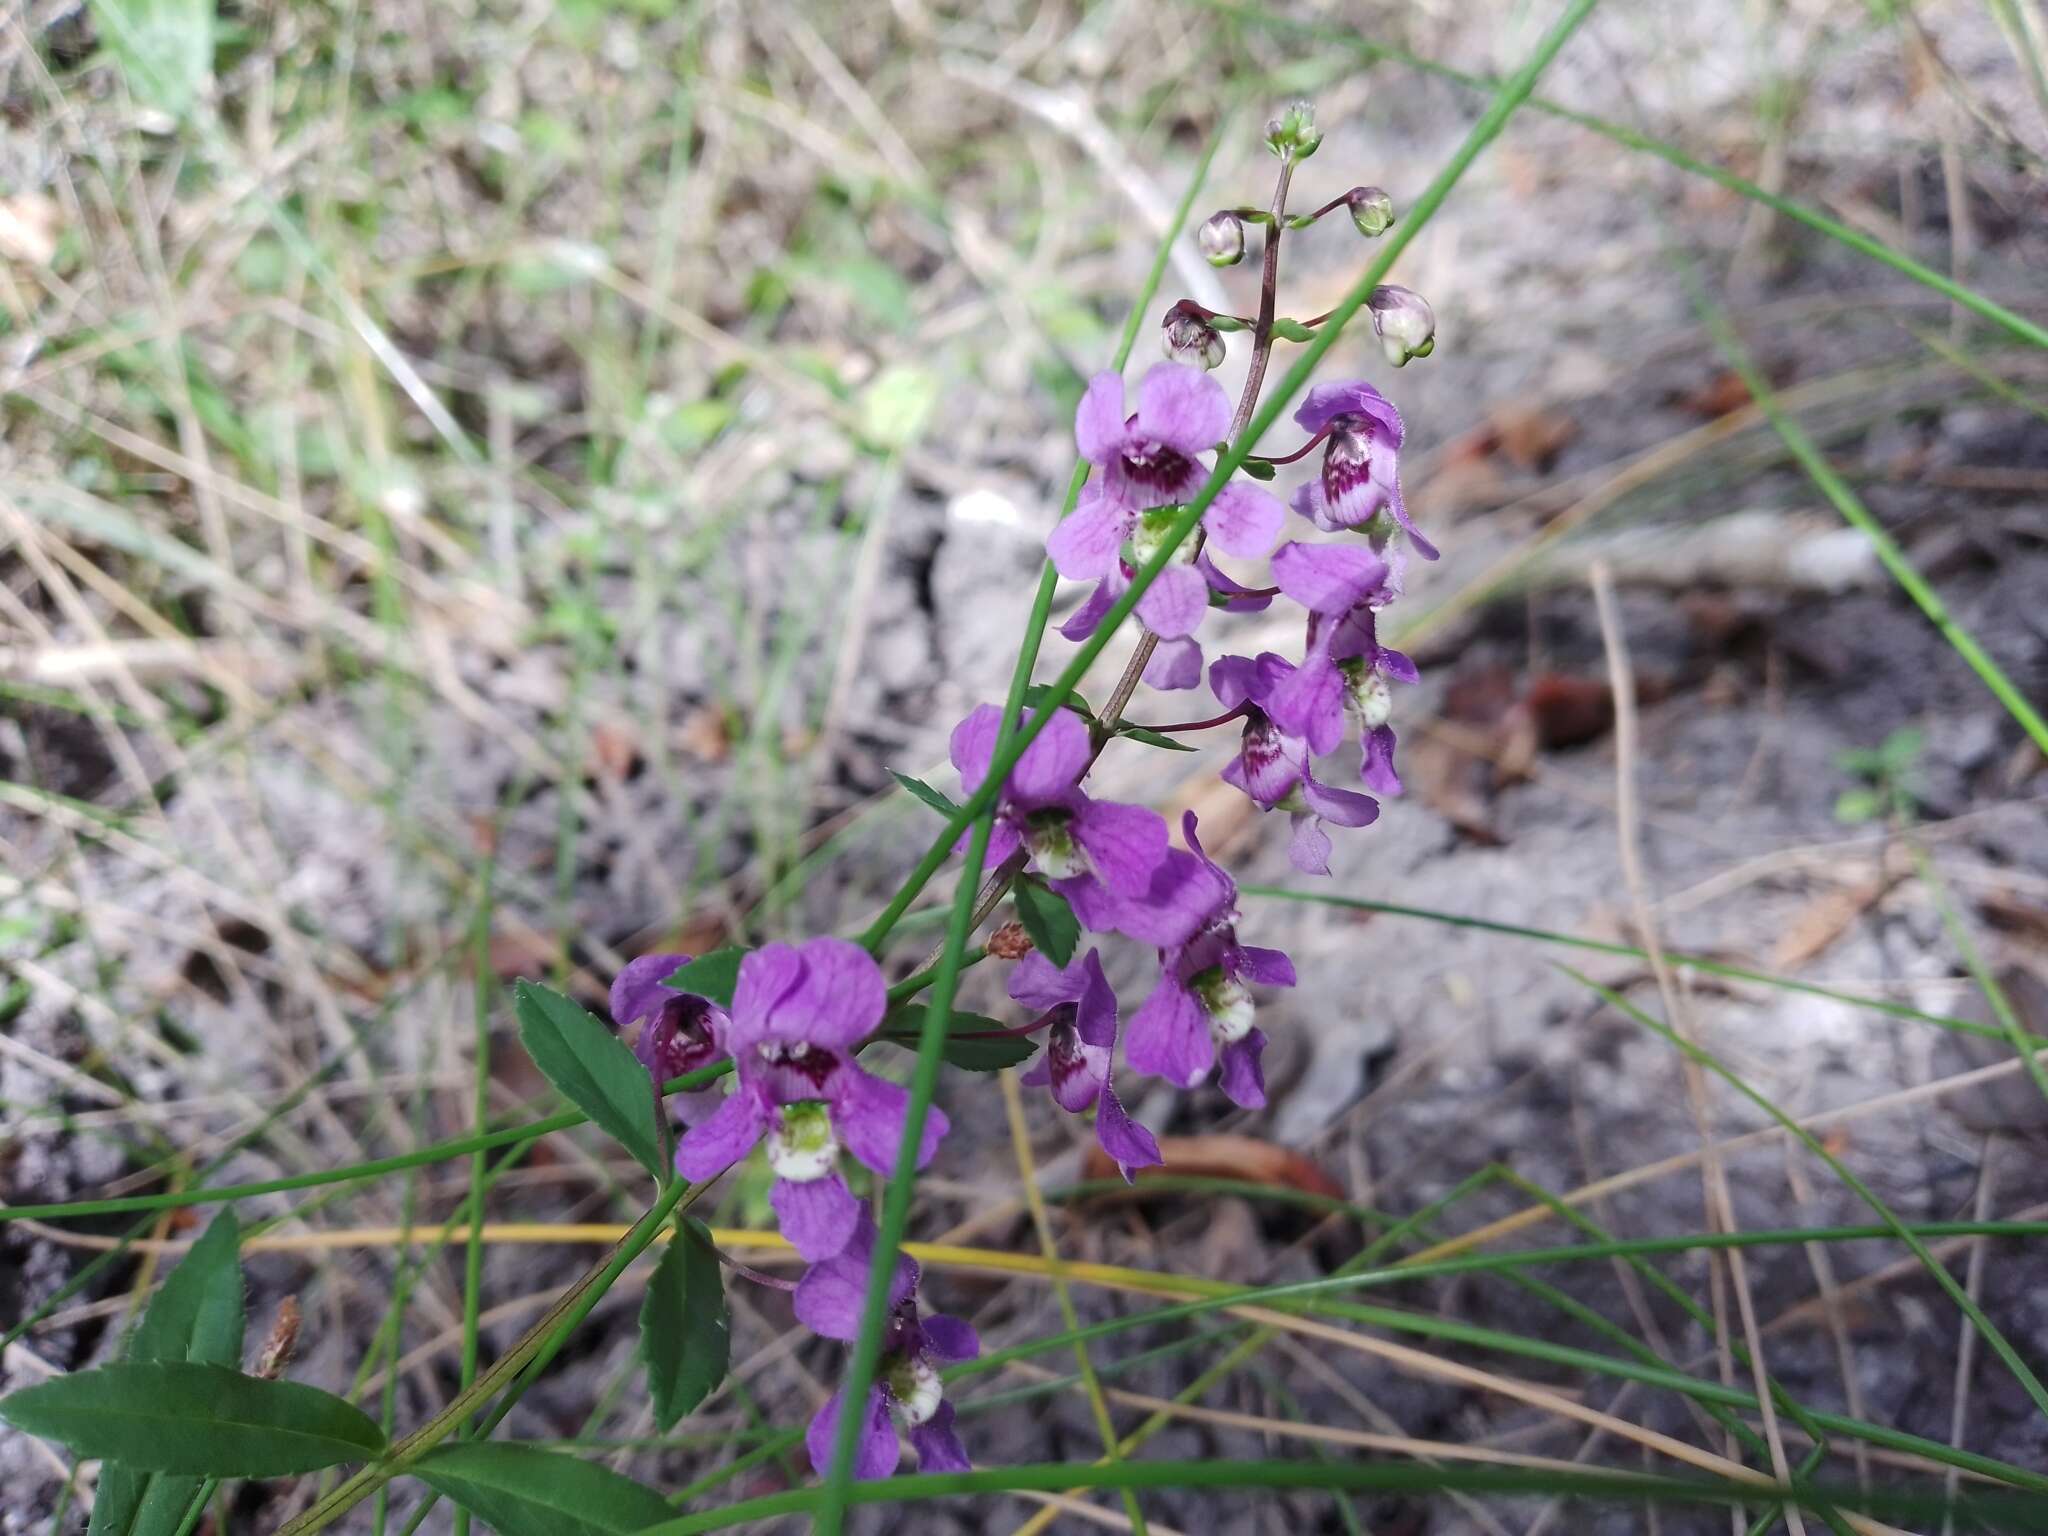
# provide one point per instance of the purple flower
(1177, 661)
(1272, 767)
(829, 1301)
(1341, 684)
(1151, 458)
(1203, 1001)
(1150, 462)
(1087, 849)
(797, 1016)
(1360, 471)
(679, 1032)
(1078, 1048)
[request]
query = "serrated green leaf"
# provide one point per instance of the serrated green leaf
(201, 1420)
(522, 1490)
(1152, 738)
(591, 1067)
(1047, 918)
(164, 48)
(685, 1334)
(997, 1049)
(713, 976)
(926, 793)
(1035, 695)
(197, 1315)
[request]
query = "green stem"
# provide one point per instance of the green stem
(1482, 133)
(538, 1344)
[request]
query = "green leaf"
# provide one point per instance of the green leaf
(1152, 738)
(522, 1490)
(685, 1335)
(926, 793)
(164, 48)
(713, 976)
(203, 1420)
(1854, 806)
(905, 1026)
(895, 405)
(1047, 918)
(197, 1315)
(1035, 695)
(593, 1069)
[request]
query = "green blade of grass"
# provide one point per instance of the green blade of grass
(1603, 947)
(2017, 1512)
(1865, 245)
(1996, 1340)
(1832, 486)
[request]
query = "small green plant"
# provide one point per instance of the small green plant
(1889, 775)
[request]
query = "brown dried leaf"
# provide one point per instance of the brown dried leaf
(1228, 1157)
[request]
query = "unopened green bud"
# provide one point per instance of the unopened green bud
(1371, 210)
(1221, 238)
(1406, 323)
(1294, 132)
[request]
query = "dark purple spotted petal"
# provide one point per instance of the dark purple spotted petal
(637, 991)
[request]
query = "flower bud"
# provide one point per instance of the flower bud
(1188, 337)
(1293, 132)
(1221, 238)
(1371, 210)
(1406, 323)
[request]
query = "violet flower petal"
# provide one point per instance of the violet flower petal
(1244, 520)
(637, 991)
(937, 1445)
(877, 1453)
(818, 1217)
(949, 1340)
(1173, 606)
(1099, 420)
(1124, 843)
(1169, 1035)
(1183, 408)
(709, 1147)
(1243, 1078)
(1083, 545)
(1175, 665)
(1328, 578)
(1053, 761)
(1128, 1143)
(1376, 767)
(869, 1116)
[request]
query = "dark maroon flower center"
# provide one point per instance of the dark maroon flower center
(1347, 459)
(797, 1070)
(1162, 472)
